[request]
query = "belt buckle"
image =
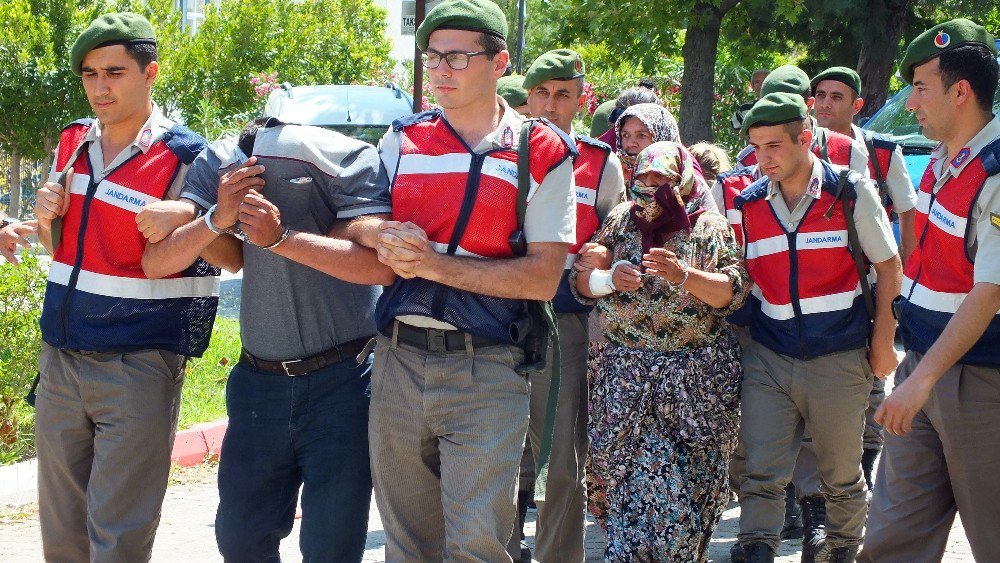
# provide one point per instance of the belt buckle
(284, 366)
(436, 340)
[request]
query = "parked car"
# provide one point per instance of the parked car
(361, 112)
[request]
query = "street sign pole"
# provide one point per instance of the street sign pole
(418, 67)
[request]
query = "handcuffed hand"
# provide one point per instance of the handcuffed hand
(260, 219)
(233, 189)
(592, 256)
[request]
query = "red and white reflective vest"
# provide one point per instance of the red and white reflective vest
(806, 300)
(939, 274)
(733, 183)
(98, 298)
(588, 168)
(437, 176)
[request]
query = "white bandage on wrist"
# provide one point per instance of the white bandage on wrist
(600, 283)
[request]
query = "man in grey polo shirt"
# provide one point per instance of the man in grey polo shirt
(298, 398)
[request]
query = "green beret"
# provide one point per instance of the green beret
(787, 78)
(600, 123)
(941, 38)
(840, 74)
(561, 64)
(774, 109)
(510, 89)
(469, 15)
(110, 29)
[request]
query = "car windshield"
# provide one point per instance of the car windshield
(371, 134)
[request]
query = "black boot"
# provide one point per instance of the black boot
(829, 554)
(736, 554)
(868, 466)
(758, 552)
(792, 529)
(814, 528)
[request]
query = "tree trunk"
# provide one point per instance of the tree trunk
(877, 60)
(701, 47)
(14, 209)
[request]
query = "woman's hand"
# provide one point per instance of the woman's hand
(665, 264)
(593, 256)
(626, 277)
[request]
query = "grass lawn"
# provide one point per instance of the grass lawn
(204, 396)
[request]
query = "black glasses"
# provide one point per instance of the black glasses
(457, 60)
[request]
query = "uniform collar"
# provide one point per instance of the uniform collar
(815, 187)
(507, 133)
(955, 166)
(150, 132)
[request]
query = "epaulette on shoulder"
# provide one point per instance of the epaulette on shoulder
(593, 142)
(86, 122)
(566, 139)
(402, 122)
(753, 192)
(184, 143)
(990, 157)
(738, 171)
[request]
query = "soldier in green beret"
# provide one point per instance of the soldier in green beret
(449, 410)
(600, 122)
(511, 89)
(942, 446)
(555, 83)
(115, 343)
(807, 365)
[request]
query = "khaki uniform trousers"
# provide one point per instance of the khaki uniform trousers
(782, 398)
(948, 462)
(562, 517)
(446, 431)
(104, 429)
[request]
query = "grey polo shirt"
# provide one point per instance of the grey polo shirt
(316, 177)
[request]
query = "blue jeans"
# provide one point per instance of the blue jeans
(310, 430)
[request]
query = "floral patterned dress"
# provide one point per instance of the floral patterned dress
(664, 399)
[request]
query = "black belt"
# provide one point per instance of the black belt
(303, 366)
(435, 339)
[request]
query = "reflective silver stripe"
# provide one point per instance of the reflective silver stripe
(809, 305)
(135, 288)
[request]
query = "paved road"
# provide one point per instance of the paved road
(186, 532)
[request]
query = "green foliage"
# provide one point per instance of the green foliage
(207, 78)
(204, 397)
(21, 290)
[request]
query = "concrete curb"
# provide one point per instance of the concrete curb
(198, 443)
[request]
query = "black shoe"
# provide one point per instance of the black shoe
(814, 527)
(868, 466)
(758, 552)
(827, 554)
(736, 554)
(525, 553)
(792, 529)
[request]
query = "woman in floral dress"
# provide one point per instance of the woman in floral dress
(665, 381)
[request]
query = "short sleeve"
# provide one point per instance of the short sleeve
(551, 212)
(897, 180)
(389, 148)
(362, 187)
(201, 183)
(874, 231)
(987, 265)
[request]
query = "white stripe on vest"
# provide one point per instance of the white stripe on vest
(809, 305)
(764, 247)
(459, 163)
(113, 194)
(945, 220)
(136, 288)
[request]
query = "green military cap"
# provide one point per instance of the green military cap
(469, 15)
(560, 64)
(941, 38)
(600, 123)
(774, 109)
(123, 28)
(840, 74)
(787, 78)
(510, 89)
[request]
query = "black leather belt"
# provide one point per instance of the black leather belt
(303, 366)
(434, 339)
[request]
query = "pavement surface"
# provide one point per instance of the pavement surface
(186, 530)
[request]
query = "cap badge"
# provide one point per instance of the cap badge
(578, 64)
(942, 39)
(146, 138)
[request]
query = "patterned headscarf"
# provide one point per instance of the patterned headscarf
(659, 211)
(657, 119)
